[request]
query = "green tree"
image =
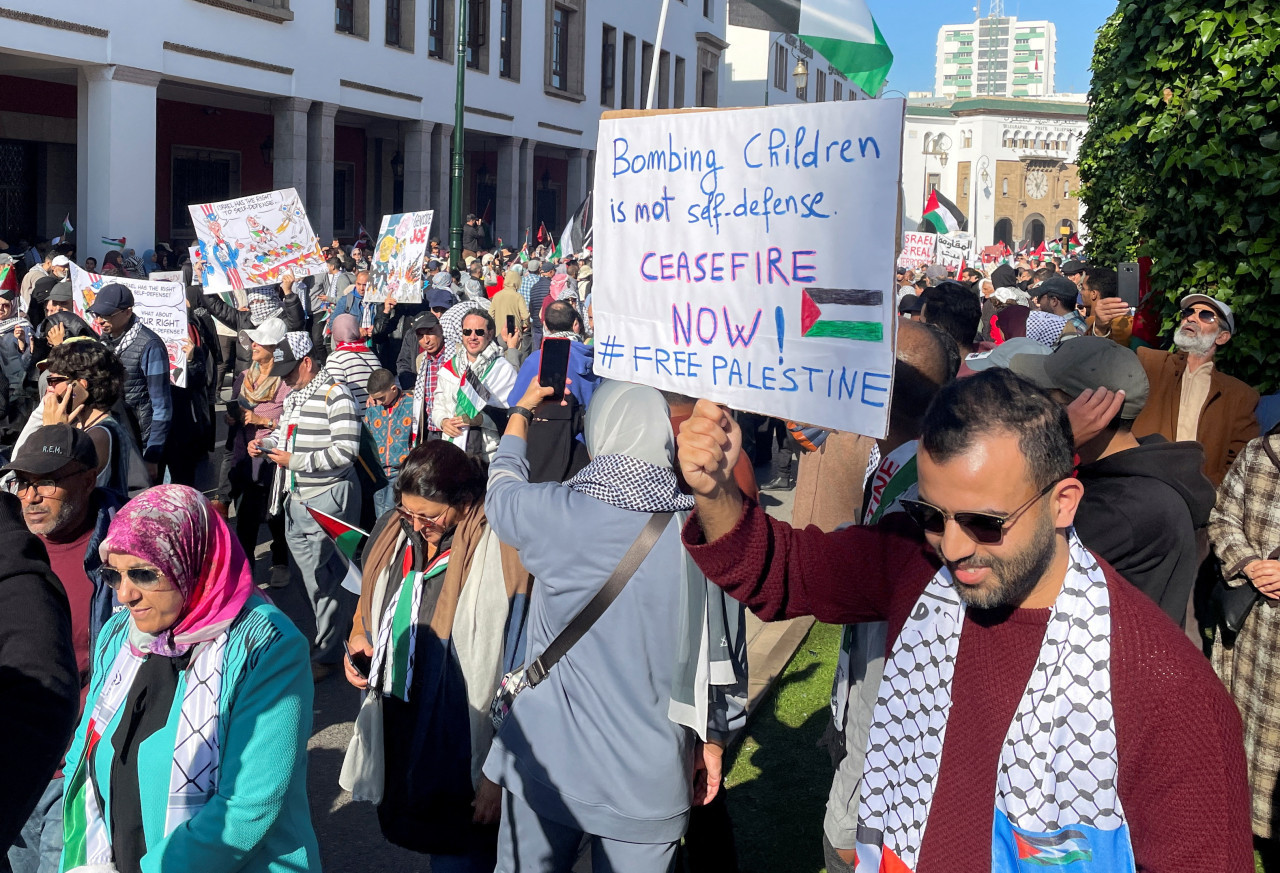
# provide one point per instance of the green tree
(1182, 160)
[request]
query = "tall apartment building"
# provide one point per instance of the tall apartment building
(995, 57)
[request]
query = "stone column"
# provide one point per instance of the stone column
(319, 197)
(578, 184)
(418, 153)
(116, 158)
(528, 185)
(506, 222)
(289, 144)
(441, 155)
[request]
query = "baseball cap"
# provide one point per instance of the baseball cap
(270, 333)
(1002, 354)
(61, 261)
(910, 304)
(295, 346)
(433, 265)
(52, 447)
(1072, 267)
(439, 298)
(935, 271)
(534, 265)
(1062, 288)
(425, 321)
(111, 299)
(61, 293)
(1217, 306)
(1087, 362)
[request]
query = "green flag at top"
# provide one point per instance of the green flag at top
(843, 31)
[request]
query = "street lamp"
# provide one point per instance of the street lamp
(938, 148)
(459, 141)
(801, 75)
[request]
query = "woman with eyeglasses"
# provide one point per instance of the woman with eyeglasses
(440, 620)
(191, 754)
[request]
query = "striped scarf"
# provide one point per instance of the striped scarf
(395, 648)
(193, 775)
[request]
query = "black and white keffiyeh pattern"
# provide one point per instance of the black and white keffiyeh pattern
(119, 345)
(1045, 327)
(1058, 765)
(264, 303)
(629, 483)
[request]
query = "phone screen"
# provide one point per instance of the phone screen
(511, 325)
(555, 365)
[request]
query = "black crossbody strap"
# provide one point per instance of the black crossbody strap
(583, 621)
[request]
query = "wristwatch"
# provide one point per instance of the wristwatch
(526, 414)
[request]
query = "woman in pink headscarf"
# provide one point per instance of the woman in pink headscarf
(191, 754)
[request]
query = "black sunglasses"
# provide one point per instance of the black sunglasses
(981, 527)
(1207, 316)
(476, 331)
(145, 578)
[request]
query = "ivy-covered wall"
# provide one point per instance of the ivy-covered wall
(1182, 160)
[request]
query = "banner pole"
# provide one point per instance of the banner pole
(657, 55)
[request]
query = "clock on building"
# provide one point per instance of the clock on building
(1037, 186)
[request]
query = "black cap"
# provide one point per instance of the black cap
(61, 292)
(910, 304)
(1071, 267)
(53, 447)
(1057, 286)
(425, 321)
(287, 355)
(110, 300)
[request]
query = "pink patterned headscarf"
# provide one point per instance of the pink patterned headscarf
(176, 529)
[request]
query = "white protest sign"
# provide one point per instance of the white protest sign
(161, 306)
(955, 249)
(917, 249)
(396, 267)
(748, 253)
(251, 241)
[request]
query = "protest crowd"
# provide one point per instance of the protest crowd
(1058, 576)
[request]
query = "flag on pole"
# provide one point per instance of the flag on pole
(943, 214)
(113, 243)
(8, 278)
(347, 539)
(66, 225)
(542, 231)
(842, 30)
(577, 233)
(363, 233)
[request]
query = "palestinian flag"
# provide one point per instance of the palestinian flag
(112, 242)
(842, 313)
(473, 396)
(842, 30)
(943, 214)
(347, 539)
(577, 233)
(66, 225)
(8, 278)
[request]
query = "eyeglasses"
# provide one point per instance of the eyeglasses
(1206, 316)
(417, 519)
(476, 331)
(981, 527)
(146, 578)
(44, 487)
(56, 380)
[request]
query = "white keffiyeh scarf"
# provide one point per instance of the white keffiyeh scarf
(1056, 800)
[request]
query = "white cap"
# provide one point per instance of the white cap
(61, 261)
(270, 333)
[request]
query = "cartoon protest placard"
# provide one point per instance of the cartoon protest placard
(398, 258)
(750, 257)
(253, 240)
(161, 306)
(955, 249)
(917, 249)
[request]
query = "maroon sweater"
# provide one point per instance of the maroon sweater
(1182, 775)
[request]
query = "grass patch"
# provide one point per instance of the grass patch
(778, 777)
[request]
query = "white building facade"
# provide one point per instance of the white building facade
(1008, 164)
(995, 57)
(759, 69)
(120, 113)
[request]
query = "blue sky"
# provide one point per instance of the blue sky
(911, 29)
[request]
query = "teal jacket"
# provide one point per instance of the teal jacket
(259, 821)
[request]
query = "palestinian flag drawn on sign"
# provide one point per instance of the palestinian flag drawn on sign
(842, 30)
(943, 214)
(842, 313)
(347, 538)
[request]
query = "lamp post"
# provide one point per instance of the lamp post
(459, 142)
(979, 171)
(800, 73)
(1064, 231)
(938, 149)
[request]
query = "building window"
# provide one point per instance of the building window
(393, 22)
(821, 86)
(436, 28)
(677, 100)
(478, 35)
(560, 49)
(509, 40)
(707, 6)
(932, 185)
(608, 62)
(837, 90)
(664, 81)
(780, 71)
(400, 23)
(968, 139)
(1066, 190)
(351, 16)
(1004, 187)
(628, 71)
(646, 70)
(708, 85)
(966, 187)
(199, 176)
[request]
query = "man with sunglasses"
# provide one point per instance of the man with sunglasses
(1190, 399)
(53, 479)
(1034, 704)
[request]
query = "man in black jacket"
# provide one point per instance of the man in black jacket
(473, 235)
(1144, 498)
(39, 683)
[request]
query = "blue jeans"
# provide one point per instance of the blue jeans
(39, 845)
(384, 499)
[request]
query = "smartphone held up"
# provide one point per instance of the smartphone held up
(554, 368)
